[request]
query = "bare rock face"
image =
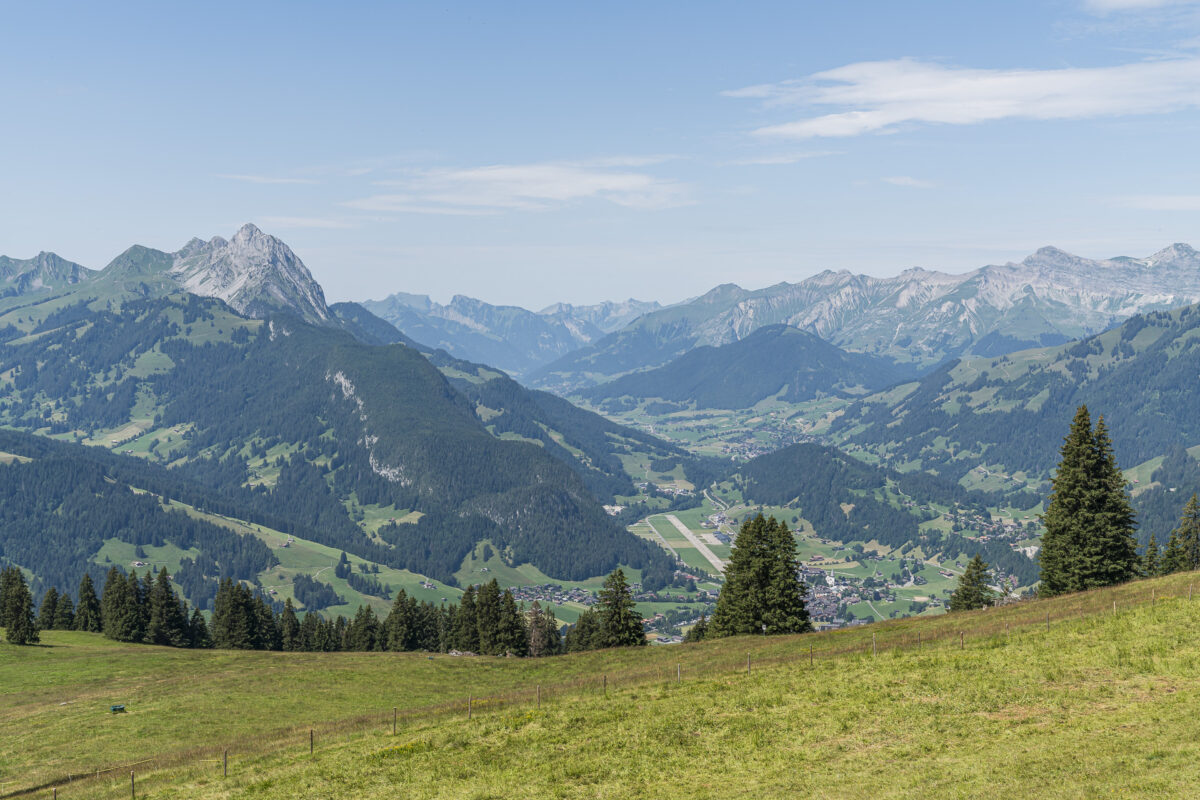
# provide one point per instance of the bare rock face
(20, 276)
(253, 272)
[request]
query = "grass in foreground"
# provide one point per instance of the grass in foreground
(1099, 705)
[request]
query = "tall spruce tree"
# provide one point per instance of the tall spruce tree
(763, 592)
(20, 626)
(511, 635)
(466, 624)
(1152, 564)
(289, 627)
(487, 615)
(87, 613)
(1186, 557)
(64, 613)
(47, 609)
(620, 624)
(973, 591)
(9, 577)
(198, 631)
(1089, 539)
(585, 633)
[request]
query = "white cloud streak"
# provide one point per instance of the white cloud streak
(905, 180)
(884, 96)
(1109, 6)
(526, 187)
(265, 179)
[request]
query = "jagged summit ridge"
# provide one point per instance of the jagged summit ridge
(253, 272)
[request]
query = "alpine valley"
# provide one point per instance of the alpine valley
(210, 413)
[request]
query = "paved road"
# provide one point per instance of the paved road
(696, 543)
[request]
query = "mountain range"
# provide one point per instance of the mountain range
(511, 338)
(919, 317)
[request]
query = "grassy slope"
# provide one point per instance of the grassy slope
(1096, 706)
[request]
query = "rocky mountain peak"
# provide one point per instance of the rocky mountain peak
(254, 272)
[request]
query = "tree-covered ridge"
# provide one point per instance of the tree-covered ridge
(965, 414)
(777, 360)
(847, 500)
(58, 510)
(378, 424)
(587, 442)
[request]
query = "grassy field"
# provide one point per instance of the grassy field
(1095, 703)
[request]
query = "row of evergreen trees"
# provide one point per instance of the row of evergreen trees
(1182, 553)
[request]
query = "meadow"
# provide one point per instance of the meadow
(1058, 698)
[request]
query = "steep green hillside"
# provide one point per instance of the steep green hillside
(1083, 696)
(775, 361)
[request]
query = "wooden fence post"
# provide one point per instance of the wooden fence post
(394, 712)
(539, 695)
(132, 786)
(225, 764)
(918, 640)
(679, 673)
(1047, 620)
(810, 657)
(311, 741)
(469, 709)
(961, 645)
(747, 663)
(873, 650)
(606, 684)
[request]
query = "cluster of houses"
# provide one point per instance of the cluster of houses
(553, 593)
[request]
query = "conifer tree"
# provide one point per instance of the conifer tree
(167, 622)
(535, 624)
(973, 591)
(8, 592)
(466, 624)
(309, 632)
(1172, 559)
(585, 633)
(48, 608)
(1187, 557)
(400, 624)
(87, 614)
(762, 591)
(620, 624)
(198, 631)
(363, 632)
(511, 636)
(697, 632)
(20, 624)
(64, 613)
(289, 628)
(1089, 521)
(264, 622)
(1151, 563)
(487, 615)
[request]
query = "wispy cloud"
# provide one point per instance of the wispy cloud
(1162, 202)
(784, 158)
(305, 222)
(1109, 6)
(883, 96)
(905, 180)
(526, 187)
(264, 179)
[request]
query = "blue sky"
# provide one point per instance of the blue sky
(528, 153)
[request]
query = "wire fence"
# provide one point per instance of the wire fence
(703, 661)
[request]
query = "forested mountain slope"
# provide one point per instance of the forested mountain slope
(777, 360)
(322, 424)
(1009, 414)
(849, 501)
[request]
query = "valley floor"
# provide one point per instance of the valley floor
(1093, 703)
